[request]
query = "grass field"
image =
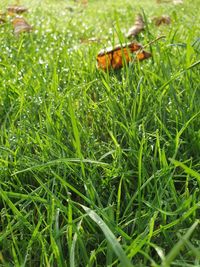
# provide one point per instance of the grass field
(99, 168)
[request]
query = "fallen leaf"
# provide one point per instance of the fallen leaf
(141, 55)
(137, 28)
(16, 9)
(114, 57)
(164, 19)
(20, 25)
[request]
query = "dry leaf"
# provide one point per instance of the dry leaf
(115, 57)
(20, 25)
(16, 9)
(137, 28)
(164, 19)
(141, 55)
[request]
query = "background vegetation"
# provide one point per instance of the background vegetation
(97, 168)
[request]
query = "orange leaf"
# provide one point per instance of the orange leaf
(114, 58)
(137, 28)
(20, 25)
(17, 9)
(141, 55)
(162, 20)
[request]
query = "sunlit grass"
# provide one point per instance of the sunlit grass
(96, 168)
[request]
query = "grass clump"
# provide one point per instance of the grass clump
(97, 168)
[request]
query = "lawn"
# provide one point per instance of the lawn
(99, 168)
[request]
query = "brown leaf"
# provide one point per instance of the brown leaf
(164, 19)
(16, 9)
(20, 25)
(114, 57)
(137, 28)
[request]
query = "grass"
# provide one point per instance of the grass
(96, 168)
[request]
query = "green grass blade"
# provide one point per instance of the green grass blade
(73, 246)
(109, 236)
(175, 250)
(186, 169)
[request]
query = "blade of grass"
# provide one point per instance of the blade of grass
(109, 236)
(73, 245)
(178, 246)
(57, 161)
(186, 169)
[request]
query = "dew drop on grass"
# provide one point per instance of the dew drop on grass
(100, 223)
